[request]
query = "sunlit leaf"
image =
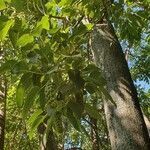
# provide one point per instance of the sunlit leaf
(20, 93)
(2, 5)
(5, 30)
(25, 39)
(34, 116)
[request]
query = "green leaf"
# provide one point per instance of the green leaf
(2, 5)
(89, 26)
(5, 30)
(28, 102)
(76, 108)
(45, 22)
(20, 93)
(36, 122)
(34, 116)
(92, 111)
(73, 120)
(25, 39)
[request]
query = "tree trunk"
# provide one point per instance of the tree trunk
(126, 126)
(2, 111)
(94, 135)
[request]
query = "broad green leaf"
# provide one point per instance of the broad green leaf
(29, 100)
(2, 5)
(38, 120)
(5, 30)
(89, 26)
(25, 39)
(73, 119)
(34, 116)
(45, 22)
(20, 93)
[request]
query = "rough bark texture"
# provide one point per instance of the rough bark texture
(127, 129)
(2, 111)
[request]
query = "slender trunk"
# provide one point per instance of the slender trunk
(94, 135)
(2, 111)
(126, 126)
(145, 117)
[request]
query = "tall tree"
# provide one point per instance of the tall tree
(2, 108)
(127, 129)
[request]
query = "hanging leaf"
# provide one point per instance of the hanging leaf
(34, 125)
(5, 29)
(34, 116)
(45, 22)
(24, 40)
(20, 93)
(28, 102)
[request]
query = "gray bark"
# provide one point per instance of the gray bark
(126, 126)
